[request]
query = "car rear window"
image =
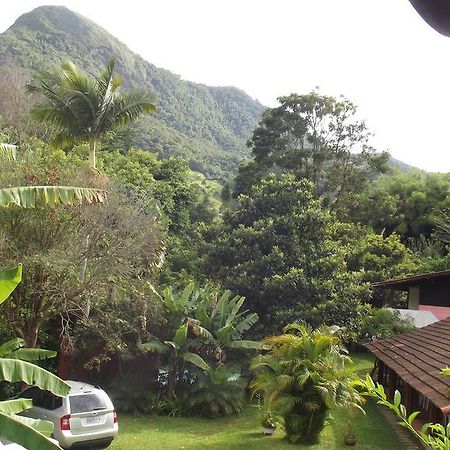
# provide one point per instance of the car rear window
(86, 402)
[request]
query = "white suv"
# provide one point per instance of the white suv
(83, 419)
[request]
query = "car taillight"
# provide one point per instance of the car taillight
(116, 419)
(65, 422)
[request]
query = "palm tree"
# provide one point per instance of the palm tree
(83, 108)
(303, 376)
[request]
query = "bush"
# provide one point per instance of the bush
(381, 323)
(172, 407)
(302, 377)
(217, 393)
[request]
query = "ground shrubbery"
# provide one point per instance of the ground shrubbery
(302, 376)
(202, 353)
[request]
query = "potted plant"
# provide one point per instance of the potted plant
(349, 438)
(268, 423)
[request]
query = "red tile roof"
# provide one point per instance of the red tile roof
(441, 312)
(418, 357)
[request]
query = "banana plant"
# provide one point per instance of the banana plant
(8, 151)
(177, 352)
(9, 279)
(15, 367)
(226, 322)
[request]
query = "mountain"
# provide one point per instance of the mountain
(400, 165)
(208, 125)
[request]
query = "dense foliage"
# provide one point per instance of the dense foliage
(286, 252)
(202, 350)
(313, 137)
(303, 376)
(407, 204)
(206, 125)
(300, 233)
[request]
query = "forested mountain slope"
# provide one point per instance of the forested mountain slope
(208, 125)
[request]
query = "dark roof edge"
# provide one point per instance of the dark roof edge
(402, 283)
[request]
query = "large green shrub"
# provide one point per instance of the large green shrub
(303, 375)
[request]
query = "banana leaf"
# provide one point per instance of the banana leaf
(31, 354)
(8, 151)
(9, 279)
(38, 196)
(15, 406)
(13, 370)
(24, 431)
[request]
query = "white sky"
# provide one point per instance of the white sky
(378, 53)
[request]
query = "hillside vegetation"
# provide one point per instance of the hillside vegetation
(207, 125)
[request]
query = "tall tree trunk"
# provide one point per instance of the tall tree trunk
(30, 335)
(92, 148)
(87, 306)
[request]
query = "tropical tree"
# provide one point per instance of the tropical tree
(279, 249)
(84, 109)
(316, 137)
(15, 367)
(303, 375)
(222, 316)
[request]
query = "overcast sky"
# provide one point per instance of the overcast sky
(378, 53)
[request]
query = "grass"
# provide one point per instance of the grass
(362, 361)
(243, 432)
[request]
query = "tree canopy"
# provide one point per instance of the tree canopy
(315, 137)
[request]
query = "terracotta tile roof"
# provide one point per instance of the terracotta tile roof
(418, 357)
(441, 312)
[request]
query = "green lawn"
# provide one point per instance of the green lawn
(243, 432)
(363, 362)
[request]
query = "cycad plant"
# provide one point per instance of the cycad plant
(83, 108)
(218, 392)
(303, 375)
